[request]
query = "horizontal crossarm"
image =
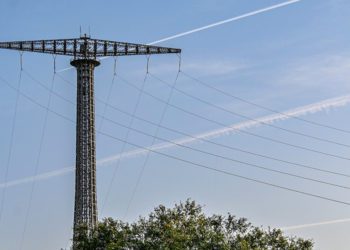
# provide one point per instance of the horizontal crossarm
(85, 47)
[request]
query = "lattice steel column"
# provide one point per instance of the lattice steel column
(85, 211)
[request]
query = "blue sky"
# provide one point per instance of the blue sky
(282, 59)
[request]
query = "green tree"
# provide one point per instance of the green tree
(185, 227)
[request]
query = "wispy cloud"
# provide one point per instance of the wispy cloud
(328, 71)
(304, 110)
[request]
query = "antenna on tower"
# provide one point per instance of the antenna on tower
(80, 30)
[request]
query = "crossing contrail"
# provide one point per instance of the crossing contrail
(232, 19)
(304, 110)
(315, 224)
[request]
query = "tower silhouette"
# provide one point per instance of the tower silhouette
(85, 52)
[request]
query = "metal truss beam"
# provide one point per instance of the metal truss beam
(85, 47)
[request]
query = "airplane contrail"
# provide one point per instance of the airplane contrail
(232, 19)
(304, 110)
(315, 224)
(253, 13)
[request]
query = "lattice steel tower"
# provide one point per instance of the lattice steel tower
(85, 52)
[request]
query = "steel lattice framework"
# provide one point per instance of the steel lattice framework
(85, 52)
(85, 47)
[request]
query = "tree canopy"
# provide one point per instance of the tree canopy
(185, 227)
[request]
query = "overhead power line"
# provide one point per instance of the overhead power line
(225, 125)
(213, 121)
(42, 136)
(203, 139)
(66, 118)
(237, 130)
(212, 142)
(12, 135)
(249, 118)
(227, 146)
(225, 157)
(143, 167)
(111, 85)
(210, 86)
(47, 88)
(199, 165)
(129, 127)
(34, 101)
(229, 173)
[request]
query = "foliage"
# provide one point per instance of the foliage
(185, 227)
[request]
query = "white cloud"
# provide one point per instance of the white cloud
(327, 71)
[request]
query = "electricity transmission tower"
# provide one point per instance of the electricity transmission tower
(85, 52)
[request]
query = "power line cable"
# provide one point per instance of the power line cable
(143, 167)
(189, 162)
(215, 143)
(138, 100)
(218, 144)
(261, 106)
(12, 135)
(250, 118)
(229, 173)
(230, 147)
(302, 165)
(43, 131)
(34, 101)
(228, 158)
(210, 120)
(109, 93)
(218, 123)
(225, 125)
(47, 88)
(235, 129)
(197, 138)
(38, 104)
